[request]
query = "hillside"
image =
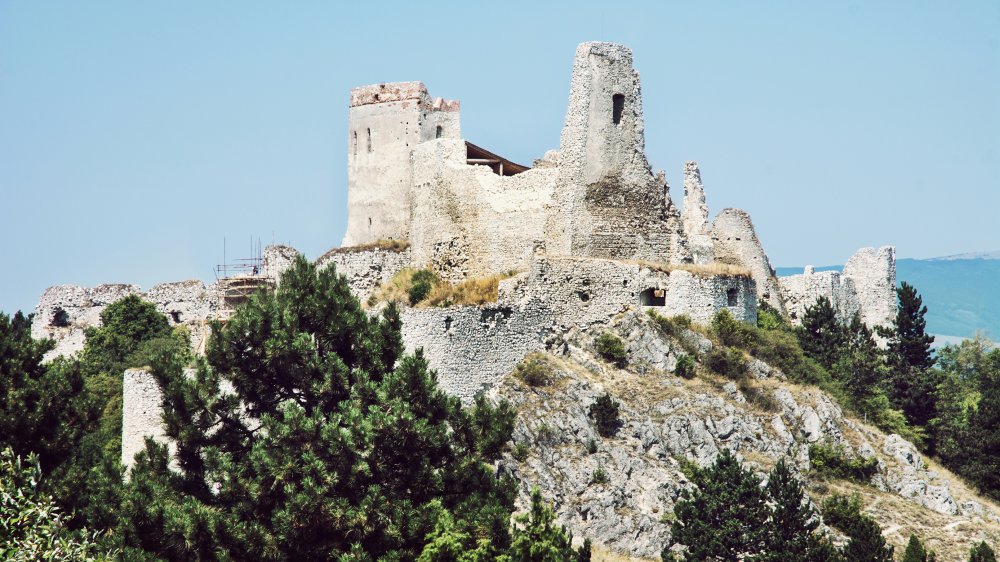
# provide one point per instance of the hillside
(620, 491)
(959, 291)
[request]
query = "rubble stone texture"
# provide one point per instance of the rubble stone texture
(866, 287)
(735, 241)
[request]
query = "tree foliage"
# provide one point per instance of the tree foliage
(866, 543)
(913, 382)
(982, 553)
(332, 444)
(821, 334)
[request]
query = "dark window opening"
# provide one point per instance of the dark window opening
(653, 297)
(618, 103)
(369, 139)
(177, 315)
(369, 221)
(355, 140)
(731, 297)
(584, 296)
(438, 132)
(447, 323)
(60, 318)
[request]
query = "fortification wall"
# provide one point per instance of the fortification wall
(586, 291)
(866, 287)
(142, 413)
(365, 268)
(469, 221)
(276, 259)
(472, 347)
(609, 202)
(735, 241)
(695, 216)
(65, 311)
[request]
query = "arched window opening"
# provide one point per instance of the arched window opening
(732, 297)
(369, 139)
(438, 132)
(176, 315)
(653, 297)
(618, 107)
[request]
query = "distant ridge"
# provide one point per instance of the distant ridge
(994, 255)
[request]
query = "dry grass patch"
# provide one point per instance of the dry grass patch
(701, 270)
(469, 292)
(388, 244)
(601, 553)
(397, 288)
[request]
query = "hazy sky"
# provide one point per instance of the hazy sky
(136, 136)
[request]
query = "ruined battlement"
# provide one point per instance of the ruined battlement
(401, 91)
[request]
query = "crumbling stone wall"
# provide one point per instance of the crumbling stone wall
(365, 268)
(695, 216)
(585, 291)
(276, 259)
(64, 311)
(142, 413)
(473, 347)
(866, 286)
(607, 202)
(735, 242)
(469, 221)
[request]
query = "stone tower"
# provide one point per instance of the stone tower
(385, 123)
(607, 202)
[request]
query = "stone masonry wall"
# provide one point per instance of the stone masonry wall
(866, 286)
(367, 268)
(64, 311)
(585, 291)
(469, 221)
(472, 347)
(735, 242)
(142, 411)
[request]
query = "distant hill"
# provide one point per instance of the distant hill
(962, 292)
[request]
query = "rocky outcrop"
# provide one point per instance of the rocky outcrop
(620, 491)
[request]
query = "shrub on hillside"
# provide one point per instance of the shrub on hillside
(423, 282)
(684, 367)
(535, 370)
(831, 461)
(728, 362)
(604, 411)
(611, 348)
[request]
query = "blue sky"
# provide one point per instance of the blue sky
(136, 136)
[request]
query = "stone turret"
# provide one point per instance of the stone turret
(385, 124)
(695, 215)
(735, 242)
(609, 203)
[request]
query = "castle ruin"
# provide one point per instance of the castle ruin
(590, 230)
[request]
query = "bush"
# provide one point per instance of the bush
(599, 476)
(684, 367)
(611, 348)
(727, 362)
(830, 461)
(535, 370)
(591, 446)
(423, 281)
(604, 411)
(520, 452)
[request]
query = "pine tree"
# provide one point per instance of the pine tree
(332, 444)
(913, 382)
(915, 551)
(791, 528)
(821, 334)
(725, 518)
(982, 449)
(860, 367)
(537, 539)
(866, 543)
(982, 553)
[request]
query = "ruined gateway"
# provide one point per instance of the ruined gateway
(590, 232)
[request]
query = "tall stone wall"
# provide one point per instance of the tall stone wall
(735, 241)
(609, 203)
(472, 347)
(866, 287)
(695, 216)
(469, 221)
(142, 413)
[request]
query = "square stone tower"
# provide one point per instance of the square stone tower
(385, 124)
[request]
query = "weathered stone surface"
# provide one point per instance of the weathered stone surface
(735, 241)
(866, 287)
(142, 411)
(695, 215)
(367, 268)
